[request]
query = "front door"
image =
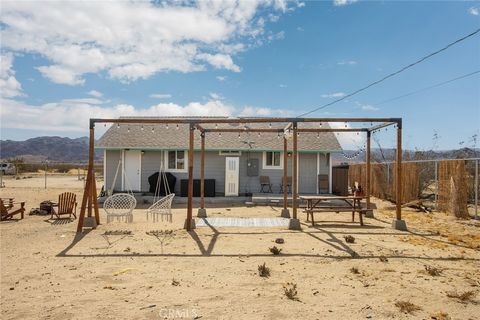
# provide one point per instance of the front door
(131, 167)
(232, 170)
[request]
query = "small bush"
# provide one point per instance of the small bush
(383, 259)
(354, 270)
(175, 282)
(263, 271)
(407, 306)
(463, 297)
(290, 290)
(276, 251)
(433, 271)
(349, 239)
(440, 316)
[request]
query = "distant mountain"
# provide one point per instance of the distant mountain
(385, 155)
(38, 149)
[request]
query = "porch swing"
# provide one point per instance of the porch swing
(120, 205)
(161, 206)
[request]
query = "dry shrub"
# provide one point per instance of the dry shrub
(407, 306)
(276, 251)
(433, 271)
(290, 290)
(354, 270)
(263, 271)
(466, 296)
(440, 316)
(175, 282)
(349, 239)
(383, 259)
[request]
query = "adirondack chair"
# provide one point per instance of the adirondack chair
(8, 209)
(67, 204)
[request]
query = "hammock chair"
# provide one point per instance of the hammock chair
(120, 205)
(161, 206)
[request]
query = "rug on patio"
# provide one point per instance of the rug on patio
(242, 222)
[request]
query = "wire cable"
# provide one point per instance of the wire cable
(392, 74)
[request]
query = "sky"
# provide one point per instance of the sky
(64, 62)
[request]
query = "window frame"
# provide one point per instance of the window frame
(185, 161)
(272, 167)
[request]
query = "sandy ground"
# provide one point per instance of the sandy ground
(47, 272)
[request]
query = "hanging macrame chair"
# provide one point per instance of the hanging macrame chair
(161, 207)
(120, 205)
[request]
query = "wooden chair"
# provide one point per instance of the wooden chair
(265, 185)
(67, 204)
(289, 185)
(8, 209)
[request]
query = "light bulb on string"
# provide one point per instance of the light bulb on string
(166, 127)
(270, 125)
(220, 134)
(177, 127)
(118, 125)
(128, 129)
(153, 129)
(318, 135)
(216, 126)
(142, 128)
(239, 135)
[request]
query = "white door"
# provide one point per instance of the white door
(132, 160)
(232, 170)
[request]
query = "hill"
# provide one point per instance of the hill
(58, 149)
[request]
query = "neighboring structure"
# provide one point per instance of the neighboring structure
(142, 148)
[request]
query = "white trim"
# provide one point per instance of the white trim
(123, 170)
(105, 170)
(140, 169)
(264, 161)
(329, 172)
(185, 161)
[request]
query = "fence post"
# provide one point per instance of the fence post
(46, 168)
(436, 185)
(476, 190)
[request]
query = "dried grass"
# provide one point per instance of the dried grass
(290, 290)
(466, 296)
(263, 271)
(407, 306)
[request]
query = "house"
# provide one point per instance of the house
(139, 150)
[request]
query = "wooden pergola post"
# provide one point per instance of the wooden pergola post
(294, 222)
(202, 213)
(89, 199)
(189, 222)
(285, 213)
(368, 184)
(398, 223)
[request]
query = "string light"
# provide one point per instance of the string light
(105, 125)
(166, 127)
(270, 126)
(278, 135)
(320, 124)
(318, 135)
(239, 135)
(142, 128)
(259, 134)
(128, 129)
(153, 129)
(216, 126)
(177, 127)
(220, 134)
(118, 125)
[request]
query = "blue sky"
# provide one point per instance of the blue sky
(260, 59)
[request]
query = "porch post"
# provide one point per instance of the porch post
(89, 194)
(202, 213)
(398, 223)
(189, 222)
(285, 213)
(294, 222)
(368, 181)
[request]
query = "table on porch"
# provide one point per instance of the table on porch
(352, 204)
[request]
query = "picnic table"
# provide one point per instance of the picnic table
(315, 203)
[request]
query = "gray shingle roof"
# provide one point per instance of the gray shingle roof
(134, 137)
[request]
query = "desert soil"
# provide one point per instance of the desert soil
(49, 272)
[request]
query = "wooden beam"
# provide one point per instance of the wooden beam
(87, 191)
(294, 172)
(190, 179)
(368, 182)
(236, 120)
(398, 180)
(202, 171)
(285, 173)
(266, 130)
(380, 126)
(332, 130)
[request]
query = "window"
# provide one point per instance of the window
(229, 153)
(272, 160)
(176, 160)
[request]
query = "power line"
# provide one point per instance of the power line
(393, 73)
(427, 88)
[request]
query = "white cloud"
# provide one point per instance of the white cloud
(95, 93)
(282, 85)
(215, 96)
(219, 61)
(474, 11)
(73, 116)
(221, 78)
(347, 63)
(130, 40)
(9, 86)
(340, 3)
(160, 96)
(333, 95)
(368, 107)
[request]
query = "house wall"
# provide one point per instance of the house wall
(309, 165)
